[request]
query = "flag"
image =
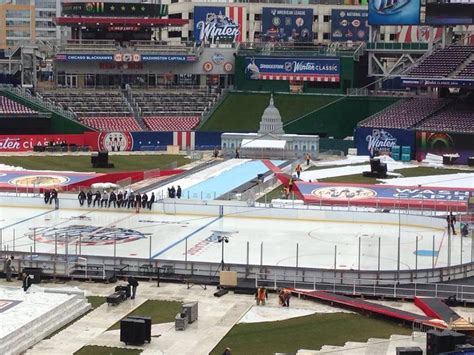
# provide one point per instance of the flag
(239, 16)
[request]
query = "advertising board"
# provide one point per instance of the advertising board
(440, 143)
(393, 12)
(306, 69)
(214, 24)
(349, 25)
(371, 140)
(287, 24)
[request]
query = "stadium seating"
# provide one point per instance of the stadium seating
(171, 123)
(174, 102)
(442, 62)
(467, 72)
(405, 113)
(108, 124)
(10, 107)
(90, 103)
(458, 117)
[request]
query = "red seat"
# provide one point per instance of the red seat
(171, 123)
(8, 106)
(109, 124)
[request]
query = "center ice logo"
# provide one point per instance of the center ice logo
(39, 180)
(86, 235)
(344, 193)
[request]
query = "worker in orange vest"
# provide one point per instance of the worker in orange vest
(298, 170)
(261, 296)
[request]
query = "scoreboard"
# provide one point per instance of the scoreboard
(449, 12)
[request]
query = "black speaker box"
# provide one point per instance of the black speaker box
(147, 321)
(132, 331)
(125, 288)
(456, 338)
(103, 157)
(116, 298)
(438, 342)
(36, 272)
(415, 350)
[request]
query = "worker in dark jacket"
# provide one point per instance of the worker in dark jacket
(133, 283)
(97, 199)
(26, 280)
(89, 198)
(81, 197)
(144, 200)
(151, 201)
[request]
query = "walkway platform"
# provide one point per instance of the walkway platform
(364, 306)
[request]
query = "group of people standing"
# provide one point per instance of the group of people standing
(120, 199)
(51, 196)
(284, 295)
(174, 193)
(451, 220)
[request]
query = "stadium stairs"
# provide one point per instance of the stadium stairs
(373, 346)
(466, 63)
(126, 93)
(35, 331)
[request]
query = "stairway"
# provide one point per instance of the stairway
(373, 346)
(463, 65)
(40, 328)
(132, 105)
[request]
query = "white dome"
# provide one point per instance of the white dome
(271, 120)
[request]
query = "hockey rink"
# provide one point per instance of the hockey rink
(257, 241)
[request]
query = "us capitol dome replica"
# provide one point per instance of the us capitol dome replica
(270, 141)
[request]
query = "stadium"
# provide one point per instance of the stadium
(160, 158)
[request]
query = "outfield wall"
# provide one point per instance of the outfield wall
(341, 117)
(114, 141)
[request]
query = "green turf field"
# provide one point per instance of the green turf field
(159, 311)
(106, 350)
(410, 172)
(243, 112)
(309, 332)
(83, 162)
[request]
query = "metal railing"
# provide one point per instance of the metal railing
(369, 287)
(304, 49)
(397, 46)
(35, 100)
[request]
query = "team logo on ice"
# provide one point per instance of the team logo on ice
(86, 235)
(39, 180)
(344, 193)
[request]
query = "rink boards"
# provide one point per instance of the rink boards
(279, 237)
